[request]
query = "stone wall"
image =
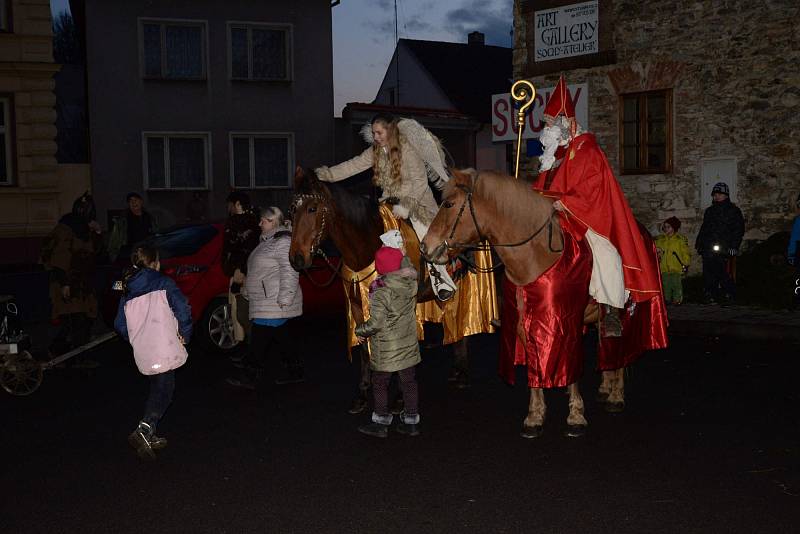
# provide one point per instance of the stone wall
(733, 69)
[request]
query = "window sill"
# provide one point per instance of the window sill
(265, 187)
(175, 189)
(263, 80)
(638, 172)
(157, 79)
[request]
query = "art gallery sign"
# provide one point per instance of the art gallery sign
(504, 114)
(566, 31)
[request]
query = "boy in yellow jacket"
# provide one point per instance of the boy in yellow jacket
(674, 255)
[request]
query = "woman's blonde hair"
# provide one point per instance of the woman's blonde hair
(395, 153)
(272, 212)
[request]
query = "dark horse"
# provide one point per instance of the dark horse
(525, 231)
(354, 224)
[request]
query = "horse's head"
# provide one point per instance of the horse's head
(454, 226)
(310, 217)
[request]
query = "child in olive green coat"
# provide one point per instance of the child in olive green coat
(392, 329)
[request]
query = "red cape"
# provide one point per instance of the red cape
(587, 188)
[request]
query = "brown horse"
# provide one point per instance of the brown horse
(523, 226)
(354, 224)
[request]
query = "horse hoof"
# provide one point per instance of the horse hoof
(575, 431)
(531, 432)
(615, 407)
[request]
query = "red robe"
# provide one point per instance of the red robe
(586, 186)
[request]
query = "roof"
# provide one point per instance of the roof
(469, 74)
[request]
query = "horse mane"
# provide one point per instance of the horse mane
(359, 210)
(512, 197)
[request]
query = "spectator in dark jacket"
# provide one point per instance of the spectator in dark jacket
(136, 225)
(717, 242)
(241, 237)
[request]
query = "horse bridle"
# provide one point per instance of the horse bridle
(322, 204)
(548, 223)
(298, 201)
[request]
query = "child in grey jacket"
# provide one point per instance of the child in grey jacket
(392, 329)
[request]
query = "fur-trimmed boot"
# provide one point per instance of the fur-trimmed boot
(379, 427)
(409, 424)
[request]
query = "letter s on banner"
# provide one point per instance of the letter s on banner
(499, 120)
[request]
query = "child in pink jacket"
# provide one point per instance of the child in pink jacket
(156, 319)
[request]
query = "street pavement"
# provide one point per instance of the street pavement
(709, 442)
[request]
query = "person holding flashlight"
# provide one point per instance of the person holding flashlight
(718, 242)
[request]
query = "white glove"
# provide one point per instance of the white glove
(324, 174)
(399, 211)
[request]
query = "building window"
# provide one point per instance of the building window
(6, 158)
(261, 160)
(176, 160)
(646, 132)
(260, 51)
(173, 50)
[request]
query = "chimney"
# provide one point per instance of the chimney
(475, 38)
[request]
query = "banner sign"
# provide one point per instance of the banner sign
(566, 31)
(504, 114)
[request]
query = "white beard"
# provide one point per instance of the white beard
(551, 138)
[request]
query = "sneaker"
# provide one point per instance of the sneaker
(240, 382)
(139, 439)
(157, 442)
(358, 406)
(375, 430)
(408, 429)
(292, 376)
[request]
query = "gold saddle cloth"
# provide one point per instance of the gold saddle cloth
(469, 312)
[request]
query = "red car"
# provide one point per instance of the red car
(191, 256)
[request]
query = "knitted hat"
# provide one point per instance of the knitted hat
(388, 260)
(720, 187)
(674, 222)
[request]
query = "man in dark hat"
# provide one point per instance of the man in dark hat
(135, 226)
(718, 242)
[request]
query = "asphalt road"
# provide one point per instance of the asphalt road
(708, 443)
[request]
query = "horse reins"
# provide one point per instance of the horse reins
(315, 248)
(548, 223)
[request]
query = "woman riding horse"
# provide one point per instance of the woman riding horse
(403, 156)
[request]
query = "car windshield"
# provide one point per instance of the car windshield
(182, 241)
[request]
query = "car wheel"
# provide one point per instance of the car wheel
(217, 326)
